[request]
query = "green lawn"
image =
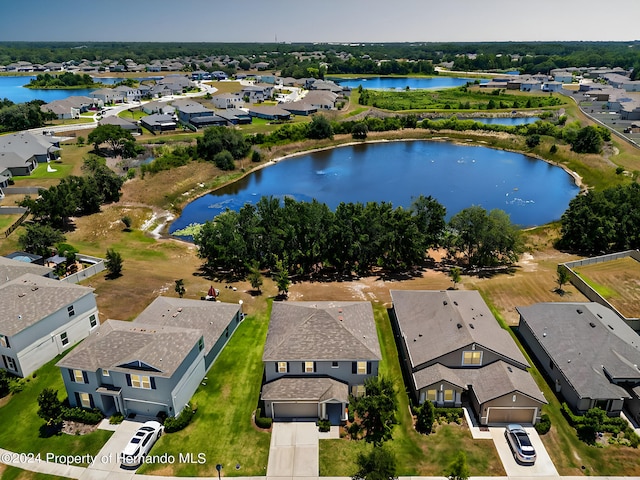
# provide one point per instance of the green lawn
(7, 221)
(416, 454)
(62, 170)
(132, 115)
(20, 424)
(603, 290)
(222, 428)
(13, 473)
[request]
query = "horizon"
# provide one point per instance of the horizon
(334, 22)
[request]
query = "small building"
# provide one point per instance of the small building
(268, 112)
(590, 355)
(315, 356)
(107, 95)
(454, 352)
(158, 123)
(158, 107)
(41, 318)
(152, 365)
(227, 100)
(299, 108)
(190, 110)
(129, 126)
(208, 121)
(235, 116)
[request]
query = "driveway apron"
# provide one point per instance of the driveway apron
(294, 450)
(543, 467)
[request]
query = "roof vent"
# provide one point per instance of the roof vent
(609, 326)
(455, 303)
(471, 325)
(179, 309)
(415, 339)
(459, 325)
(592, 325)
(509, 368)
(579, 311)
(444, 302)
(340, 317)
(419, 334)
(599, 316)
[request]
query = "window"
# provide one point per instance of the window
(4, 341)
(141, 381)
(432, 395)
(357, 390)
(78, 376)
(93, 321)
(71, 311)
(472, 358)
(362, 368)
(309, 367)
(334, 364)
(64, 338)
(85, 400)
(105, 372)
(448, 395)
(9, 363)
(282, 367)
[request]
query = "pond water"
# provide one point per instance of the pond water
(531, 191)
(13, 89)
(401, 83)
(511, 121)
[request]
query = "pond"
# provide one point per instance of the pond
(12, 87)
(511, 121)
(401, 83)
(531, 191)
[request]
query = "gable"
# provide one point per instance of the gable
(138, 365)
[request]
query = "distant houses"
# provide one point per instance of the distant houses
(20, 153)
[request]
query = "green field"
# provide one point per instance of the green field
(461, 98)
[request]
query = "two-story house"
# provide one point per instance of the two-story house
(316, 355)
(153, 364)
(456, 353)
(40, 318)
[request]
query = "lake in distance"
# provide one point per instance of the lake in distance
(401, 83)
(531, 191)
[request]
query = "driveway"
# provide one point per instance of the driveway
(107, 460)
(294, 450)
(542, 468)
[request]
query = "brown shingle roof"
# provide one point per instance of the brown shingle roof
(311, 389)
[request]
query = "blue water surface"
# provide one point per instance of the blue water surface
(531, 191)
(401, 83)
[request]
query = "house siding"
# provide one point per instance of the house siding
(324, 369)
(41, 342)
(440, 387)
(222, 341)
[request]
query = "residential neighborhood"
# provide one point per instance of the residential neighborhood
(168, 308)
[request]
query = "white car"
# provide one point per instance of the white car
(520, 444)
(141, 443)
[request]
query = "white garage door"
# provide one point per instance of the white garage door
(511, 415)
(295, 410)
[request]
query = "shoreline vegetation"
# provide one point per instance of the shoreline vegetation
(63, 81)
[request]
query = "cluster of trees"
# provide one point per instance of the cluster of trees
(360, 65)
(305, 237)
(64, 80)
(22, 116)
(75, 196)
(602, 221)
(222, 146)
(120, 140)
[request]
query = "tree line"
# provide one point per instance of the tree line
(64, 80)
(306, 238)
(602, 221)
(22, 116)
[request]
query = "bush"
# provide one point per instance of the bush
(324, 425)
(544, 425)
(82, 415)
(425, 416)
(224, 160)
(450, 415)
(116, 419)
(553, 149)
(532, 140)
(256, 156)
(176, 424)
(262, 422)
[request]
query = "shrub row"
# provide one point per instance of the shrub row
(450, 415)
(544, 425)
(262, 422)
(175, 424)
(82, 415)
(596, 420)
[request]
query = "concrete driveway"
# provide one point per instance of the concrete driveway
(542, 468)
(294, 450)
(108, 459)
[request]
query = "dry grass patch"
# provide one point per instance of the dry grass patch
(617, 281)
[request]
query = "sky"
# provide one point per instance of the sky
(342, 21)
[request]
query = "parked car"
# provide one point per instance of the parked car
(520, 444)
(141, 443)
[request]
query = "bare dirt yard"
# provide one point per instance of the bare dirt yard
(618, 281)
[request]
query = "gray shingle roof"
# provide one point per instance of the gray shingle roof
(29, 298)
(11, 269)
(435, 323)
(315, 389)
(588, 343)
(499, 379)
(437, 373)
(321, 331)
(117, 343)
(209, 317)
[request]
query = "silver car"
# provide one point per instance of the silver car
(140, 444)
(520, 444)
